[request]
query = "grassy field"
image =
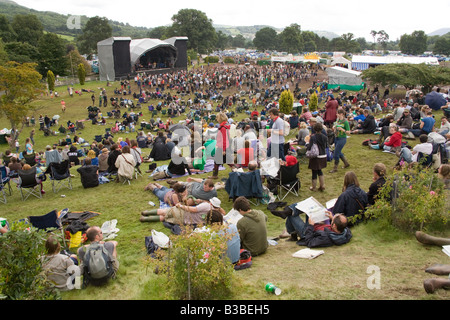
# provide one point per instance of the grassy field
(341, 273)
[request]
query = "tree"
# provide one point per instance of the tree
(158, 33)
(383, 38)
(7, 33)
(266, 39)
(81, 73)
(28, 28)
(95, 30)
(442, 46)
(408, 75)
(286, 101)
(53, 55)
(20, 85)
(51, 80)
(290, 39)
(196, 26)
(414, 44)
(22, 52)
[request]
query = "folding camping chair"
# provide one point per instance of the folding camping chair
(288, 181)
(426, 160)
(60, 175)
(28, 184)
(30, 158)
(49, 222)
(5, 180)
(246, 184)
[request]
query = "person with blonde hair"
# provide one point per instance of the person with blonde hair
(94, 159)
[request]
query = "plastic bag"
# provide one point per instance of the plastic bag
(160, 239)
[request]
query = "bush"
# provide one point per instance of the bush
(50, 80)
(286, 101)
(313, 102)
(81, 73)
(228, 60)
(196, 266)
(412, 199)
(21, 273)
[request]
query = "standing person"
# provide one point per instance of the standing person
(341, 128)
(63, 106)
(222, 144)
(330, 113)
(277, 135)
(32, 133)
(252, 227)
(317, 164)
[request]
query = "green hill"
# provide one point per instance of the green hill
(57, 23)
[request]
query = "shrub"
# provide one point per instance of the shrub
(50, 80)
(286, 101)
(196, 266)
(228, 60)
(313, 102)
(21, 273)
(412, 199)
(81, 73)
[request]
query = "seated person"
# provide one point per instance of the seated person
(379, 172)
(112, 157)
(368, 125)
(171, 196)
(40, 176)
(95, 236)
(125, 164)
(89, 174)
(56, 264)
(392, 143)
(303, 132)
(94, 159)
(424, 147)
(252, 227)
(353, 199)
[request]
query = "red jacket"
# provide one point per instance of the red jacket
(331, 111)
(395, 140)
(223, 136)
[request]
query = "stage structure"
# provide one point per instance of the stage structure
(122, 57)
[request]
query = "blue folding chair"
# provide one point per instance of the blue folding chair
(4, 180)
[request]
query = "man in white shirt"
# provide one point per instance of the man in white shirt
(277, 135)
(424, 147)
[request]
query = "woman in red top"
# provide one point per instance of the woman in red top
(245, 155)
(222, 144)
(393, 143)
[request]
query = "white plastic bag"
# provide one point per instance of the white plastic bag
(161, 239)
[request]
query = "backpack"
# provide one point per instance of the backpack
(245, 260)
(97, 263)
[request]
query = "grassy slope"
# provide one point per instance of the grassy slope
(341, 273)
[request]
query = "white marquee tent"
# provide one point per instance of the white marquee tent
(344, 78)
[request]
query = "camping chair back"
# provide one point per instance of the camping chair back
(289, 181)
(60, 175)
(426, 160)
(4, 179)
(29, 184)
(30, 159)
(48, 222)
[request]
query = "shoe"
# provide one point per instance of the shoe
(284, 235)
(431, 285)
(335, 169)
(42, 192)
(293, 237)
(439, 269)
(171, 181)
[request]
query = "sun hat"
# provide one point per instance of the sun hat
(215, 202)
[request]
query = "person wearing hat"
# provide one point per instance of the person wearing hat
(182, 214)
(210, 132)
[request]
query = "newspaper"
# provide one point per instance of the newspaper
(446, 250)
(307, 253)
(232, 217)
(313, 208)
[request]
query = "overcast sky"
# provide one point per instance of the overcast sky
(348, 16)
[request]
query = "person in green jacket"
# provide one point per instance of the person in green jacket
(252, 227)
